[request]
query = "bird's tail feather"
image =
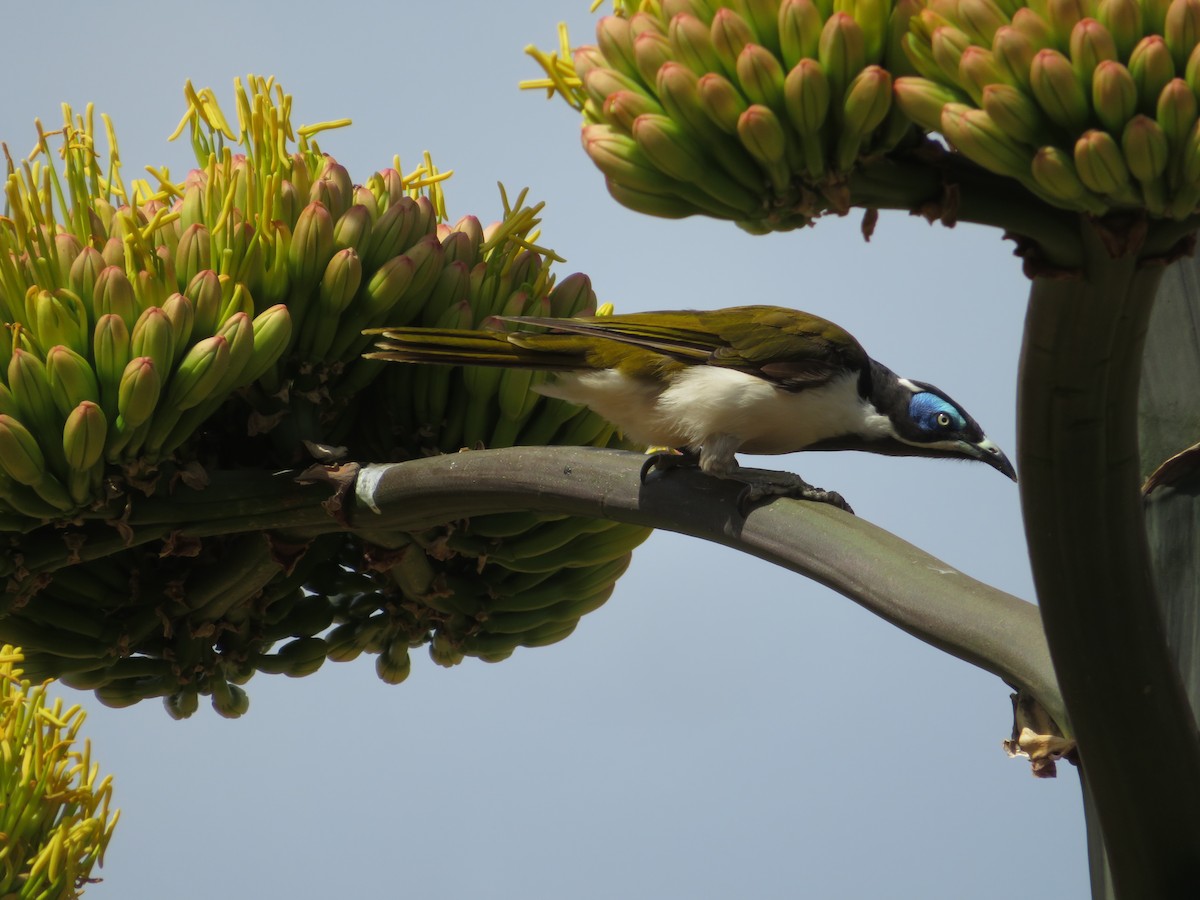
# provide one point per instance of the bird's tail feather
(466, 347)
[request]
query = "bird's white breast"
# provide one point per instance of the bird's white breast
(704, 405)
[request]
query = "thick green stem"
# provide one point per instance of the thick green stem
(955, 189)
(1079, 466)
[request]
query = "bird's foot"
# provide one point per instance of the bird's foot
(763, 484)
(664, 460)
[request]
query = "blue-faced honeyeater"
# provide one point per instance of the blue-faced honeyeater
(755, 379)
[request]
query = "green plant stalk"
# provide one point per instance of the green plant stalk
(1078, 461)
(885, 574)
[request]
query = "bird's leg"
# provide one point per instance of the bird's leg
(663, 460)
(761, 484)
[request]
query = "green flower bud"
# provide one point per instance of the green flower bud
(191, 210)
(622, 107)
(723, 103)
(691, 44)
(669, 148)
(138, 391)
(1154, 15)
(1176, 113)
(328, 194)
(238, 330)
(650, 51)
(573, 296)
(58, 317)
(1151, 66)
(363, 197)
(1114, 95)
(353, 229)
(393, 232)
(920, 56)
(30, 387)
(388, 284)
(394, 664)
(113, 253)
(923, 100)
(84, 271)
(1013, 52)
(980, 19)
(194, 253)
(872, 18)
(1191, 156)
(1058, 91)
(1145, 147)
(83, 436)
(1182, 30)
(67, 249)
(616, 43)
(976, 136)
(182, 316)
(642, 22)
(393, 187)
(1091, 44)
(1015, 112)
(619, 157)
(204, 290)
(20, 455)
(947, 46)
(149, 290)
(428, 258)
(70, 378)
(113, 293)
(1100, 164)
(977, 69)
(868, 100)
(247, 257)
(1123, 19)
(8, 403)
(334, 173)
(807, 97)
(110, 350)
(841, 52)
(312, 245)
(603, 83)
(730, 34)
(452, 286)
(760, 76)
(1036, 29)
(301, 178)
(679, 91)
(1054, 171)
(153, 336)
(272, 332)
(1063, 16)
(197, 373)
(287, 205)
(800, 24)
(339, 284)
(763, 18)
(895, 57)
(762, 135)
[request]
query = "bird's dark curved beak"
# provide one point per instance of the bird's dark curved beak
(986, 451)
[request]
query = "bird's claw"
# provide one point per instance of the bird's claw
(667, 459)
(790, 486)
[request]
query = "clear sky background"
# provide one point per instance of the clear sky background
(721, 728)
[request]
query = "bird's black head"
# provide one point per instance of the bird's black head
(930, 423)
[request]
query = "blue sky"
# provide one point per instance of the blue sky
(720, 728)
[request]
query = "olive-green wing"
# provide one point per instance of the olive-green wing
(794, 349)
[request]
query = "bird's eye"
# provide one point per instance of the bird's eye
(943, 420)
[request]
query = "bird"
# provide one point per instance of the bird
(713, 383)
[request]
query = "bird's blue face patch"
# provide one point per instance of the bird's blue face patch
(934, 414)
